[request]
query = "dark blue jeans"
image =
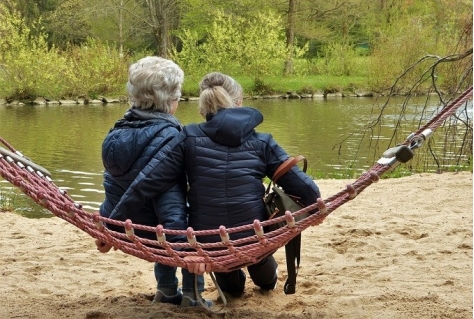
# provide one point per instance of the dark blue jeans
(167, 281)
(263, 274)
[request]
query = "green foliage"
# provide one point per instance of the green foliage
(259, 54)
(94, 68)
(28, 67)
(66, 25)
(411, 30)
(340, 59)
(198, 15)
(191, 57)
(367, 46)
(396, 50)
(261, 88)
(234, 42)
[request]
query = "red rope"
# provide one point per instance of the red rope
(225, 255)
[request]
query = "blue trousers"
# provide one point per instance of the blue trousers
(167, 281)
(263, 274)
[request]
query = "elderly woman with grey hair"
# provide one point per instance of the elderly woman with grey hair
(225, 160)
(154, 89)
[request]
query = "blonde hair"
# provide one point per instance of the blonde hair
(154, 82)
(218, 91)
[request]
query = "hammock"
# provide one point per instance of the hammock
(226, 255)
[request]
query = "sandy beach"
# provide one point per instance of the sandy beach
(401, 249)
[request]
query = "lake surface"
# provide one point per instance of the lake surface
(67, 139)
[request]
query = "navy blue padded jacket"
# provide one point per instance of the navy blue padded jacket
(126, 150)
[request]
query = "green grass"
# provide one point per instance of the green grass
(7, 199)
(283, 84)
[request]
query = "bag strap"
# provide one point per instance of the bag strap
(293, 256)
(285, 167)
(293, 247)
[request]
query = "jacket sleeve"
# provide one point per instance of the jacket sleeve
(295, 181)
(170, 210)
(157, 177)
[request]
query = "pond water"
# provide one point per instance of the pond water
(66, 140)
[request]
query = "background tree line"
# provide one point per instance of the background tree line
(70, 48)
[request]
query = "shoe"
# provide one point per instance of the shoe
(274, 286)
(267, 292)
(163, 298)
(188, 302)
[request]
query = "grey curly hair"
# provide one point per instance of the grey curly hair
(154, 82)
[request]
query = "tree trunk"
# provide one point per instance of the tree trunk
(290, 36)
(120, 24)
(164, 17)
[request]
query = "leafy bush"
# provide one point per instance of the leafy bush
(235, 45)
(94, 69)
(29, 68)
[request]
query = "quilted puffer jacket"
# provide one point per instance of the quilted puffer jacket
(225, 161)
(127, 148)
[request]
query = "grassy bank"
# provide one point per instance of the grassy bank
(281, 85)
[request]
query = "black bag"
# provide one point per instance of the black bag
(276, 204)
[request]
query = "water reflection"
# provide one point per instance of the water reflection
(67, 140)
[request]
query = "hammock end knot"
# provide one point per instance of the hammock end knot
(129, 228)
(160, 234)
(290, 220)
(323, 212)
(224, 235)
(191, 237)
(69, 210)
(18, 182)
(351, 191)
(95, 218)
(257, 227)
(43, 200)
(374, 177)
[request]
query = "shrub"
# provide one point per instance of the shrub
(29, 68)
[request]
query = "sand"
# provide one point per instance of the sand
(401, 249)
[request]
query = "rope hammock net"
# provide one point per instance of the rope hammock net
(226, 255)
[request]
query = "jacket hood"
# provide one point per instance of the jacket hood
(135, 114)
(130, 136)
(232, 126)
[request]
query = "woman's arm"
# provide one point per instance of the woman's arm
(295, 181)
(159, 175)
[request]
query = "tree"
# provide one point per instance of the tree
(320, 21)
(67, 25)
(406, 35)
(118, 23)
(410, 29)
(163, 19)
(290, 35)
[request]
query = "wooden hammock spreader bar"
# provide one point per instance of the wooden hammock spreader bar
(227, 254)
